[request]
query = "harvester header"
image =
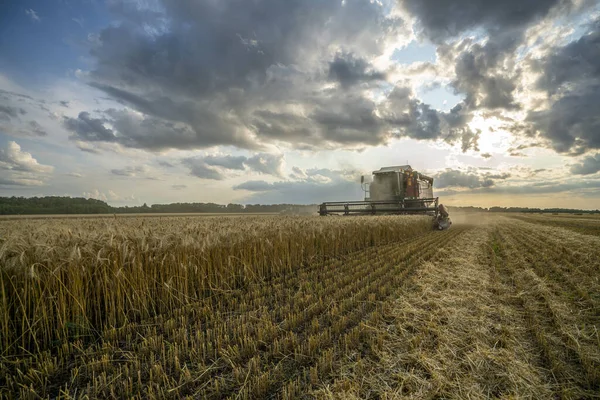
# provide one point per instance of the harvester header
(390, 190)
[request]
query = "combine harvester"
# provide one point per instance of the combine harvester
(394, 190)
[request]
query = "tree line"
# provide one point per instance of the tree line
(79, 205)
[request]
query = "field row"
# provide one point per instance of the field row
(587, 225)
(283, 335)
(60, 277)
(509, 311)
(559, 294)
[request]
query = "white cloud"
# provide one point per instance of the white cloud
(95, 194)
(109, 195)
(33, 15)
(12, 158)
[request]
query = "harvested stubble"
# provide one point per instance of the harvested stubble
(510, 311)
(504, 309)
(586, 224)
(281, 336)
(62, 279)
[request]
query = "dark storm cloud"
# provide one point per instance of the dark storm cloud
(147, 132)
(589, 165)
(219, 73)
(441, 19)
(349, 70)
(89, 129)
(479, 77)
(487, 72)
(571, 123)
(571, 77)
(574, 65)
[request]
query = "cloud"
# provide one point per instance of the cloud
(37, 129)
(265, 163)
(215, 166)
(95, 194)
(466, 179)
(109, 195)
(489, 48)
(87, 128)
(571, 123)
(198, 168)
(255, 186)
(584, 187)
(79, 21)
(129, 171)
(319, 185)
(86, 147)
(573, 66)
(33, 15)
(30, 129)
(271, 83)
(20, 168)
(8, 112)
(307, 79)
(14, 159)
(165, 164)
(349, 70)
(440, 20)
(132, 129)
(482, 76)
(571, 78)
(179, 187)
(589, 165)
(226, 161)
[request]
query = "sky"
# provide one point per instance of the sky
(291, 101)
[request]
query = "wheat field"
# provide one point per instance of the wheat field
(299, 307)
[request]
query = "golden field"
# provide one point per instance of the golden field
(288, 307)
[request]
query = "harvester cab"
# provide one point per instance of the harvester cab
(393, 190)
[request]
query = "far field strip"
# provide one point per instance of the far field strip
(588, 225)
